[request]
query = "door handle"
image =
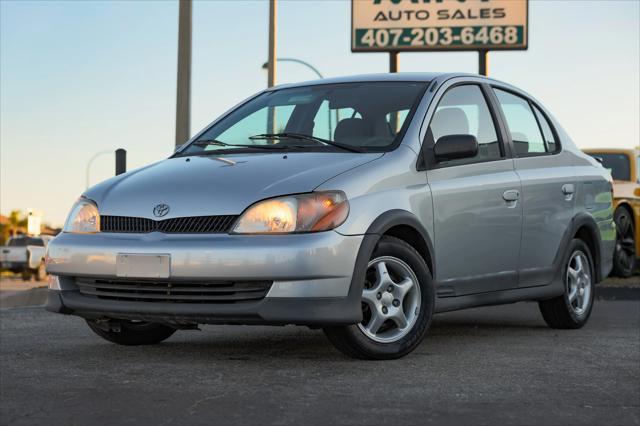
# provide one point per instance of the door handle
(568, 189)
(511, 195)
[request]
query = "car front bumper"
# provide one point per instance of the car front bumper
(311, 276)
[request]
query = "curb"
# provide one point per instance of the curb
(25, 298)
(617, 293)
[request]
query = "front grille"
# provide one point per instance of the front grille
(178, 225)
(174, 292)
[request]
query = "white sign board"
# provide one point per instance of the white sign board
(34, 222)
(421, 25)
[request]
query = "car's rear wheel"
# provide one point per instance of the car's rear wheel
(131, 333)
(573, 308)
(397, 305)
(624, 256)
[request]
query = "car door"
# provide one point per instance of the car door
(477, 211)
(548, 186)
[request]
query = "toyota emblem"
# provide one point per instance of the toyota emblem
(160, 210)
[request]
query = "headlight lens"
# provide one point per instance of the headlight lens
(83, 219)
(318, 211)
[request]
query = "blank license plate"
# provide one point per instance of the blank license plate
(143, 265)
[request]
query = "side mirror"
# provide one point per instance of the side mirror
(452, 147)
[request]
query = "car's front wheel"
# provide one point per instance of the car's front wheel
(132, 333)
(573, 308)
(397, 305)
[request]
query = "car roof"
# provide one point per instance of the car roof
(401, 76)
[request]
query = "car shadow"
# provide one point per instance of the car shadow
(260, 344)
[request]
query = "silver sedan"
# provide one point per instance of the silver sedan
(363, 205)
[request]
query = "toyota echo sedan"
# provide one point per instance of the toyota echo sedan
(361, 205)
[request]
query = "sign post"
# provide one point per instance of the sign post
(483, 62)
(393, 61)
(439, 25)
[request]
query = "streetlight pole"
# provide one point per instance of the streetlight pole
(301, 62)
(96, 155)
(183, 91)
(312, 68)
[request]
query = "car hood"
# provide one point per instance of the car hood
(209, 185)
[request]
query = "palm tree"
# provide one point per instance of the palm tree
(17, 222)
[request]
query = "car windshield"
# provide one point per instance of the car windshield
(25, 241)
(361, 117)
(617, 164)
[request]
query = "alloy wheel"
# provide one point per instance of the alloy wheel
(579, 283)
(390, 300)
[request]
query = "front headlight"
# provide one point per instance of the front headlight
(83, 219)
(314, 212)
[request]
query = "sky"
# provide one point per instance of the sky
(80, 78)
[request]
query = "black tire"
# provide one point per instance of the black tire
(26, 275)
(558, 312)
(134, 333)
(624, 256)
(352, 341)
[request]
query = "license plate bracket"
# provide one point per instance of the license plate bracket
(136, 265)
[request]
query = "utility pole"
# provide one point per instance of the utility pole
(271, 65)
(183, 92)
(483, 62)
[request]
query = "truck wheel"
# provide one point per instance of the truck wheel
(397, 305)
(26, 275)
(133, 333)
(41, 272)
(573, 308)
(624, 256)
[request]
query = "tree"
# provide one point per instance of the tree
(17, 222)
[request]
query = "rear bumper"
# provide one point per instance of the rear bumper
(312, 276)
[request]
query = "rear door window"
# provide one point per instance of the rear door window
(522, 123)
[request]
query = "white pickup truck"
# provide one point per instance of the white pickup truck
(25, 255)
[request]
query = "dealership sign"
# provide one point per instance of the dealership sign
(420, 25)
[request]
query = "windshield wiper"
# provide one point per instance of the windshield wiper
(209, 142)
(302, 136)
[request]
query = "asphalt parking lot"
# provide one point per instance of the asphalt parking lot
(496, 365)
